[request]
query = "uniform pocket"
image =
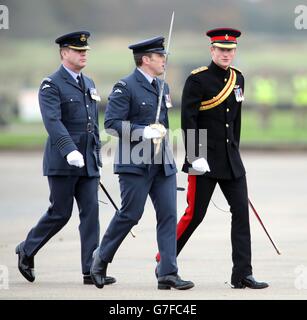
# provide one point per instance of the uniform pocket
(71, 100)
(71, 107)
(57, 162)
(146, 110)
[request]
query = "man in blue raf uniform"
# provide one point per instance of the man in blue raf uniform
(72, 155)
(211, 100)
(130, 115)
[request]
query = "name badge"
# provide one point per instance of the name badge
(168, 101)
(238, 93)
(94, 94)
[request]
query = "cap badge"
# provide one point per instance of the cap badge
(82, 37)
(226, 37)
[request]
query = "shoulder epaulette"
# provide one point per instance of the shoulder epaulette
(46, 79)
(232, 67)
(122, 83)
(200, 69)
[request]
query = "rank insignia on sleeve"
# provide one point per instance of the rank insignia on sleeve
(117, 90)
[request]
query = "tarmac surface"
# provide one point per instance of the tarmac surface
(277, 187)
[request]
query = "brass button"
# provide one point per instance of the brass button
(227, 109)
(227, 140)
(227, 125)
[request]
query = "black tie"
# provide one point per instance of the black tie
(80, 82)
(155, 85)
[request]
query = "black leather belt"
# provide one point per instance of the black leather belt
(79, 127)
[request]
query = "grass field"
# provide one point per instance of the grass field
(27, 62)
(283, 129)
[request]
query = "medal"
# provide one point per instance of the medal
(238, 93)
(94, 94)
(168, 101)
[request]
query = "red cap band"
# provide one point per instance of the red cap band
(223, 38)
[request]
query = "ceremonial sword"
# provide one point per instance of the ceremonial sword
(157, 141)
(258, 218)
(264, 228)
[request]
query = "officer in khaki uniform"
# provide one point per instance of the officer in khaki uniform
(211, 101)
(68, 106)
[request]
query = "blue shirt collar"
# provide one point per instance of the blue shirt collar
(146, 75)
(72, 73)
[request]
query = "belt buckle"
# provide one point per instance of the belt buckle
(89, 127)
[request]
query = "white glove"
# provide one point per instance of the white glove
(75, 158)
(201, 165)
(154, 131)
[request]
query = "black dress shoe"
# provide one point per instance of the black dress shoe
(88, 280)
(174, 281)
(25, 264)
(99, 271)
(249, 282)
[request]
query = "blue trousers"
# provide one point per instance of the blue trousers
(63, 190)
(134, 191)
